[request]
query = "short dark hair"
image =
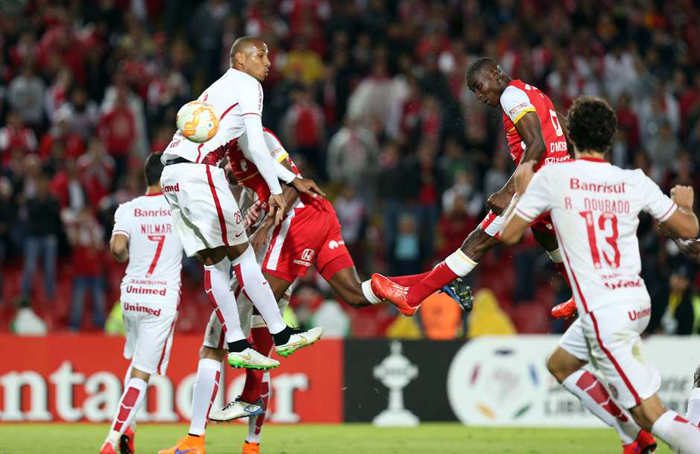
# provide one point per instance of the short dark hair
(152, 169)
(592, 124)
(479, 65)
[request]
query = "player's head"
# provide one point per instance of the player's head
(487, 80)
(152, 169)
(250, 55)
(592, 124)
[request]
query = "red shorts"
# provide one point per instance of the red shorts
(309, 235)
(491, 224)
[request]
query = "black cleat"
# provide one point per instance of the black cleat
(459, 291)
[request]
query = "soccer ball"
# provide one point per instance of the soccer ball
(197, 121)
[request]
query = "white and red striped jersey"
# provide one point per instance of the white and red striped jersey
(155, 251)
(594, 207)
(233, 96)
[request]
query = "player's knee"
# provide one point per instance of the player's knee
(558, 368)
(477, 243)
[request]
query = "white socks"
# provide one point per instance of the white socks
(681, 436)
(694, 407)
(459, 263)
(598, 401)
(218, 288)
(203, 394)
(253, 284)
(255, 423)
(130, 402)
(369, 293)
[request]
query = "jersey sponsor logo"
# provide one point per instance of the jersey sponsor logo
(146, 282)
(156, 229)
(554, 160)
(139, 213)
(516, 109)
(578, 185)
(306, 256)
(144, 309)
(558, 147)
(333, 244)
(134, 290)
(635, 315)
(624, 284)
(172, 188)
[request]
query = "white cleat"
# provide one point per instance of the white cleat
(250, 359)
(235, 410)
(299, 339)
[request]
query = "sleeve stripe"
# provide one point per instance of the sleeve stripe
(672, 209)
(282, 156)
(227, 111)
(527, 217)
(251, 113)
(522, 114)
(121, 232)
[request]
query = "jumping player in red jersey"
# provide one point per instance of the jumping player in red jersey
(534, 133)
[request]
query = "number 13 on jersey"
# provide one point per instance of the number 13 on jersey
(607, 225)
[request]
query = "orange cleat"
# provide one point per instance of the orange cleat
(251, 448)
(566, 309)
(126, 442)
(107, 448)
(397, 294)
(187, 445)
(644, 444)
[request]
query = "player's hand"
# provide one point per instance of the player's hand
(258, 238)
(523, 175)
(277, 207)
(683, 196)
(499, 201)
(306, 186)
(252, 215)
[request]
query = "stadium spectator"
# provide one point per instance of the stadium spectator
(117, 131)
(26, 96)
(43, 229)
(15, 135)
(86, 238)
(82, 113)
(487, 318)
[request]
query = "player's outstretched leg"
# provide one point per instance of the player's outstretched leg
(129, 404)
(548, 240)
(694, 401)
(458, 264)
(590, 390)
(679, 434)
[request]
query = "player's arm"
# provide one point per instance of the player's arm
(119, 246)
(683, 224)
(303, 185)
(290, 195)
(532, 198)
(530, 130)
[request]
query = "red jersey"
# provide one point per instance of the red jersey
(520, 98)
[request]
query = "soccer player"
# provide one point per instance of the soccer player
(207, 216)
(691, 250)
(310, 235)
(595, 207)
(144, 235)
(534, 134)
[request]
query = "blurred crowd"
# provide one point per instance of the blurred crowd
(369, 98)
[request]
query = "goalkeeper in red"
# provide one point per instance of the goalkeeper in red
(534, 134)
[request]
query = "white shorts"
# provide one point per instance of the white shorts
(149, 336)
(610, 338)
(204, 210)
(214, 337)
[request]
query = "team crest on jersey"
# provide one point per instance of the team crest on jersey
(244, 165)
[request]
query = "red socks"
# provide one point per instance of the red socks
(262, 343)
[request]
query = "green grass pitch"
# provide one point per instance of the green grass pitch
(320, 439)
